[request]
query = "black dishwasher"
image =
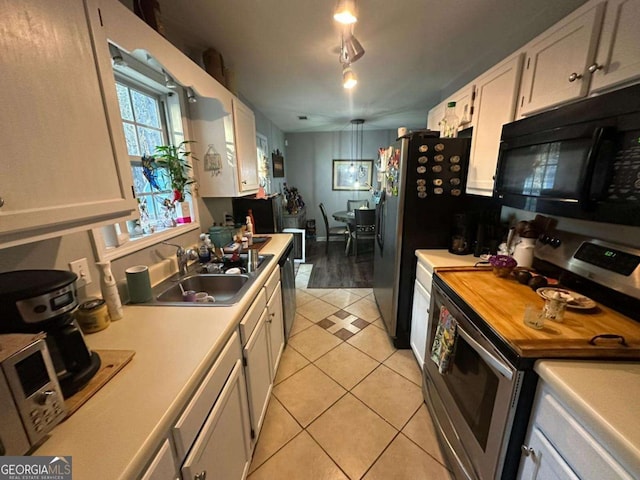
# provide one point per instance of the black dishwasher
(288, 280)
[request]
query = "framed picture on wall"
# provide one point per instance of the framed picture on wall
(352, 174)
(278, 164)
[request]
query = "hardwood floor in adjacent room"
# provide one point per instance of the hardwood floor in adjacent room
(335, 270)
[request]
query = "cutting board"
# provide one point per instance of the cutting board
(501, 302)
(112, 361)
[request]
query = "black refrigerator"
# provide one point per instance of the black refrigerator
(423, 189)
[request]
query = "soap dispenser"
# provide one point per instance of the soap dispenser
(110, 291)
(204, 254)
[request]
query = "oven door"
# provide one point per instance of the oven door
(474, 403)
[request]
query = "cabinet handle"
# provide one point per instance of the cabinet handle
(1, 202)
(201, 476)
(594, 67)
(526, 451)
(574, 76)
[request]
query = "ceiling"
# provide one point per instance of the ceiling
(284, 53)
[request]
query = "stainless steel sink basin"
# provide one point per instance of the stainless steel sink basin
(220, 286)
(226, 289)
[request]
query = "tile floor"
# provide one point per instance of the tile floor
(345, 404)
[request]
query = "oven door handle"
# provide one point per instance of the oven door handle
(497, 365)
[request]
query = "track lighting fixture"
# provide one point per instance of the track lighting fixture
(352, 49)
(191, 96)
(349, 79)
(345, 12)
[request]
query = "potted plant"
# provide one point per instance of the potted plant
(175, 162)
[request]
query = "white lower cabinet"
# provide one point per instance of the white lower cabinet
(560, 445)
(262, 333)
(212, 435)
(419, 322)
(162, 467)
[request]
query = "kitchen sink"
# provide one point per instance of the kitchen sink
(223, 288)
(227, 289)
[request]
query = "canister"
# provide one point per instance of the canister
(93, 315)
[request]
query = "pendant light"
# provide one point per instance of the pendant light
(345, 12)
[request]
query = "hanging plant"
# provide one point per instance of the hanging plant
(175, 161)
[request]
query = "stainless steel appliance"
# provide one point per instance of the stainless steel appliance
(481, 404)
(45, 300)
(31, 402)
(580, 160)
(288, 279)
(416, 210)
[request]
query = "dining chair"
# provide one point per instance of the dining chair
(365, 227)
(353, 204)
(333, 231)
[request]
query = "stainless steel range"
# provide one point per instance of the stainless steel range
(481, 402)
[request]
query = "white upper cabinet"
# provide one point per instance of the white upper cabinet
(246, 152)
(618, 58)
(556, 67)
(435, 116)
(65, 165)
(494, 105)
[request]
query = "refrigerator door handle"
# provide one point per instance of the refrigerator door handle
(380, 221)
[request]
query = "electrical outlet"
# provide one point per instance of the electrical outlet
(81, 268)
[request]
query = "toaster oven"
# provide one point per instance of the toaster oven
(31, 401)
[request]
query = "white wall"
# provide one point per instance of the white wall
(308, 167)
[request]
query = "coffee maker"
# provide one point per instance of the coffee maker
(461, 234)
(44, 301)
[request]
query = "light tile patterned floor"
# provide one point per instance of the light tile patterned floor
(346, 404)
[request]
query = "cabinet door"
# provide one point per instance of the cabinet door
(246, 150)
(275, 327)
(420, 322)
(435, 116)
(464, 99)
(64, 163)
(495, 105)
(162, 467)
(541, 460)
(223, 446)
(258, 372)
(618, 58)
(556, 66)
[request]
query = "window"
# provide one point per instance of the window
(144, 124)
(151, 115)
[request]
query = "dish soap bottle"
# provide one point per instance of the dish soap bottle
(450, 122)
(110, 291)
(204, 254)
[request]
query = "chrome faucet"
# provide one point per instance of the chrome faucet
(183, 257)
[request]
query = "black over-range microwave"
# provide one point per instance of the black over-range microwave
(579, 161)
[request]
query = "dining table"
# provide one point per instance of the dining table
(347, 217)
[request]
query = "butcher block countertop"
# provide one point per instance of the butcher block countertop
(501, 303)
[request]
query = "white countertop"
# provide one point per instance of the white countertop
(433, 258)
(118, 430)
(606, 397)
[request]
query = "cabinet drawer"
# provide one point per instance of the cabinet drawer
(272, 283)
(188, 425)
(424, 277)
(586, 456)
(250, 319)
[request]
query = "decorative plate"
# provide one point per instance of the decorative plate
(574, 299)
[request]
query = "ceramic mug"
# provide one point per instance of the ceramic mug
(189, 296)
(204, 297)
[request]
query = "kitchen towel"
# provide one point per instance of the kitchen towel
(444, 340)
(139, 284)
